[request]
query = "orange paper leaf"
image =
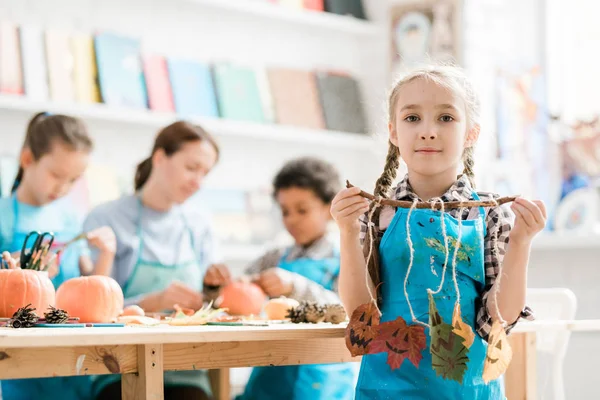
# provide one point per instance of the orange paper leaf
(362, 329)
(461, 329)
(400, 341)
(499, 354)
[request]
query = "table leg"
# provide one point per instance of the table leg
(147, 383)
(219, 381)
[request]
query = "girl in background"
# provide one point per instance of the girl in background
(54, 156)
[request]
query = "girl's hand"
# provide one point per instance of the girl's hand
(51, 263)
(276, 282)
(346, 207)
(103, 239)
(10, 261)
(530, 218)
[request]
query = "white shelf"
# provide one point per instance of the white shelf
(565, 241)
(263, 9)
(219, 127)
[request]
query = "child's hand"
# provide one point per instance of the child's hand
(530, 218)
(103, 239)
(346, 207)
(51, 263)
(217, 275)
(276, 282)
(10, 260)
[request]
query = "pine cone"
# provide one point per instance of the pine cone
(335, 313)
(314, 312)
(24, 317)
(56, 316)
(296, 315)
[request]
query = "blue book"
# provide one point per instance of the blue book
(120, 72)
(193, 88)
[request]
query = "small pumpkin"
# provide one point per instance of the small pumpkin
(243, 298)
(91, 298)
(20, 287)
(277, 309)
(133, 310)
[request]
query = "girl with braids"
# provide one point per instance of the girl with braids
(433, 125)
(55, 154)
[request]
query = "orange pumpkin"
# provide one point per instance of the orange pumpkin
(20, 287)
(91, 298)
(243, 298)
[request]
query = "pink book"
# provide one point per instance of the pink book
(160, 95)
(11, 73)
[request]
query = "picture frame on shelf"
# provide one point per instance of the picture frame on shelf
(422, 32)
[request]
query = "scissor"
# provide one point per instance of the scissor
(36, 250)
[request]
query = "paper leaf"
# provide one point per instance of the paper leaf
(461, 328)
(499, 354)
(362, 329)
(400, 341)
(448, 353)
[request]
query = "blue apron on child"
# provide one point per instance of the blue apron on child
(376, 379)
(304, 382)
(63, 388)
(153, 276)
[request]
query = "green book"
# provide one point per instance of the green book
(238, 93)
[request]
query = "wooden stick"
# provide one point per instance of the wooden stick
(437, 205)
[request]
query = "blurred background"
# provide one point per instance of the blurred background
(277, 79)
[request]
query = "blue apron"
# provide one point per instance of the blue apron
(304, 382)
(377, 380)
(59, 388)
(153, 276)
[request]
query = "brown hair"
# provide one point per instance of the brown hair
(171, 139)
(45, 129)
(448, 77)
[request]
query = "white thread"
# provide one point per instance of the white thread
(499, 278)
(412, 252)
(444, 233)
(377, 203)
(457, 246)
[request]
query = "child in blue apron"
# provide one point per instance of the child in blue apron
(164, 243)
(433, 125)
(308, 270)
(54, 155)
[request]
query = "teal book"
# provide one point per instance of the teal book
(120, 71)
(193, 89)
(238, 93)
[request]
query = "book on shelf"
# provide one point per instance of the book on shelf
(35, 72)
(11, 75)
(193, 88)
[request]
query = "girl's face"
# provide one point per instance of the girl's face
(53, 175)
(431, 129)
(182, 173)
(305, 215)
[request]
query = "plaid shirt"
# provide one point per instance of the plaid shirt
(498, 221)
(304, 289)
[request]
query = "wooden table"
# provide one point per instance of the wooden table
(521, 377)
(142, 354)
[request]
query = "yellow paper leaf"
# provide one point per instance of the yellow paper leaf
(499, 354)
(461, 329)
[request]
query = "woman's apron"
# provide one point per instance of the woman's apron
(152, 276)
